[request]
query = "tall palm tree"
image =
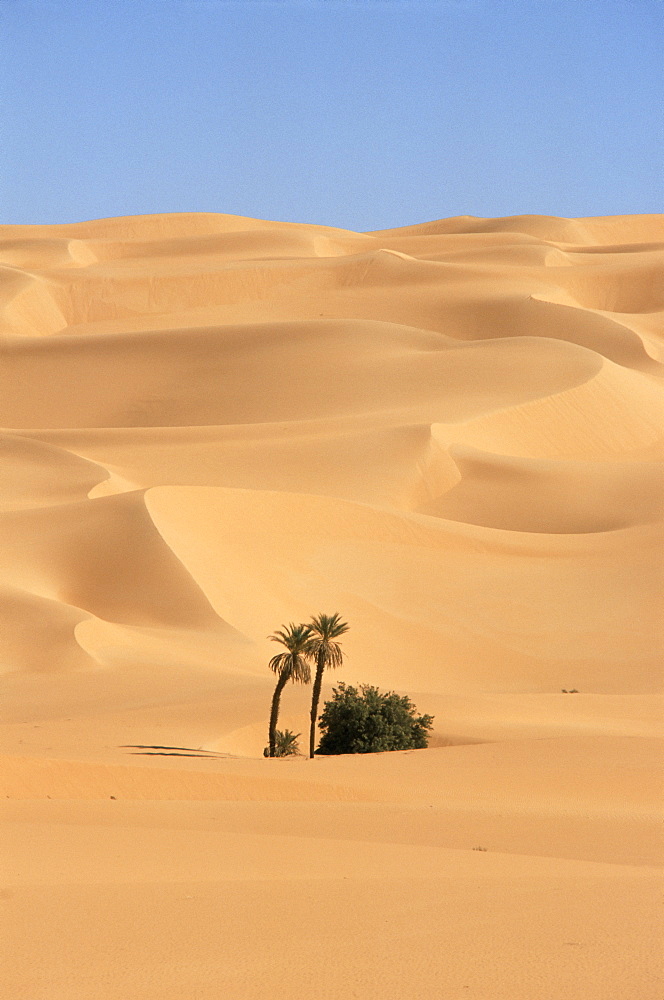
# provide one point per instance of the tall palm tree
(289, 666)
(327, 653)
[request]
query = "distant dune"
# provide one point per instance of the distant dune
(450, 433)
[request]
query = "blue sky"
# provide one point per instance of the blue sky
(362, 114)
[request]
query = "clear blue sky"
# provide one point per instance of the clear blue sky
(363, 114)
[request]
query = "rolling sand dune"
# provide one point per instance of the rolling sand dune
(450, 433)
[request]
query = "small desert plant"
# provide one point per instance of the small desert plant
(286, 744)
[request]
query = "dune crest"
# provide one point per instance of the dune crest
(274, 358)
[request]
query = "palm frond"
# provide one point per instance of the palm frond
(300, 671)
(328, 627)
(292, 664)
(291, 636)
(330, 653)
(279, 662)
(321, 645)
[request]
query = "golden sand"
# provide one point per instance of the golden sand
(451, 434)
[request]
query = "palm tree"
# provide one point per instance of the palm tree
(327, 653)
(289, 666)
(286, 744)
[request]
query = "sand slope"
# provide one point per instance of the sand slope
(450, 433)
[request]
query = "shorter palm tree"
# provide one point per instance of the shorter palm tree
(286, 744)
(322, 648)
(289, 666)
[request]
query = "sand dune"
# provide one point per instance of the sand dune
(452, 434)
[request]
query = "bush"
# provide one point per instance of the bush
(285, 745)
(371, 721)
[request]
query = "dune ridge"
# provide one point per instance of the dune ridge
(451, 433)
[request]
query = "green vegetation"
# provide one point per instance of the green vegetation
(364, 721)
(371, 721)
(327, 654)
(289, 666)
(285, 743)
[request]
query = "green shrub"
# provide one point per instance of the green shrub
(286, 744)
(371, 721)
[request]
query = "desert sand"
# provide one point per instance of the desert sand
(451, 434)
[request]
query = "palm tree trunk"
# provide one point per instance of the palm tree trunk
(274, 713)
(315, 697)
